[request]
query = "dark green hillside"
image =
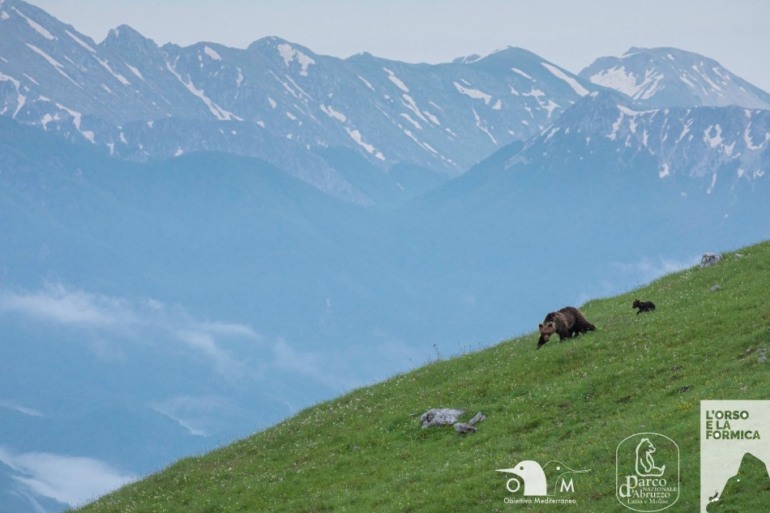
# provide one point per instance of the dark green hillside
(573, 401)
(747, 491)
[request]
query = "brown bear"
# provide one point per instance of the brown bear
(643, 306)
(567, 323)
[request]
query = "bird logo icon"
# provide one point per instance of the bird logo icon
(531, 476)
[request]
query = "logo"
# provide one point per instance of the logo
(735, 454)
(530, 479)
(647, 472)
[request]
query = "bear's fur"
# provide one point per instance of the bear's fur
(643, 306)
(567, 323)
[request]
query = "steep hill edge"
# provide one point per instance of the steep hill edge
(573, 401)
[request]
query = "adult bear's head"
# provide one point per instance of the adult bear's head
(547, 329)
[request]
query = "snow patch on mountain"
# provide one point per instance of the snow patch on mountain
(291, 54)
(628, 83)
(120, 78)
(685, 131)
(211, 53)
(574, 84)
(366, 83)
(135, 71)
(522, 73)
(481, 125)
(410, 120)
(53, 62)
(329, 111)
(77, 119)
(396, 81)
(411, 104)
(36, 26)
(6, 78)
(80, 41)
(476, 94)
(21, 99)
(218, 112)
(542, 99)
(359, 139)
(713, 136)
(748, 139)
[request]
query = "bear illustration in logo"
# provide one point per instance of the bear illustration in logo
(645, 463)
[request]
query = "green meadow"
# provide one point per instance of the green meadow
(572, 401)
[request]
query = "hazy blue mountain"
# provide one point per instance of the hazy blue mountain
(152, 310)
(604, 197)
(274, 100)
(185, 302)
(206, 296)
(669, 77)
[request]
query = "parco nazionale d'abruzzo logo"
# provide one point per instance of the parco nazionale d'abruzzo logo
(647, 472)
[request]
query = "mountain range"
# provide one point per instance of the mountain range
(199, 241)
(274, 100)
(297, 110)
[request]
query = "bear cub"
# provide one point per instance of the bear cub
(567, 323)
(643, 306)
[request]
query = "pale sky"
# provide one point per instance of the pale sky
(570, 33)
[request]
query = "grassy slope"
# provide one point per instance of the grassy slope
(573, 401)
